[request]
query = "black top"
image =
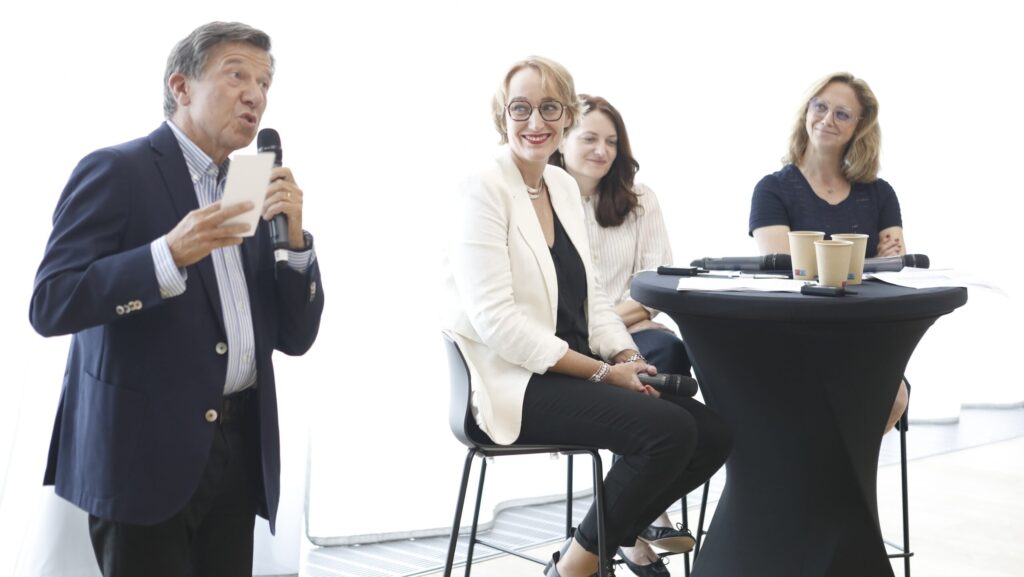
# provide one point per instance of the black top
(786, 198)
(571, 325)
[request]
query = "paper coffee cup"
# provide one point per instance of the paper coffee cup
(860, 249)
(801, 251)
(833, 258)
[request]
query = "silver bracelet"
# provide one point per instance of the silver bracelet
(636, 357)
(600, 374)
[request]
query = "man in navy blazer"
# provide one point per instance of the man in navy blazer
(167, 432)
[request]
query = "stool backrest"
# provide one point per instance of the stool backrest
(460, 414)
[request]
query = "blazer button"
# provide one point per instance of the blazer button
(221, 348)
(120, 310)
(211, 416)
(312, 291)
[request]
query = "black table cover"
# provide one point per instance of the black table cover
(807, 384)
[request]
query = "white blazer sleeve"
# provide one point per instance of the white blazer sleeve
(482, 273)
(608, 336)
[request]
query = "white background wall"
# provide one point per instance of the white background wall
(383, 107)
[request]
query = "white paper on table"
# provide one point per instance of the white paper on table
(934, 278)
(742, 282)
(248, 177)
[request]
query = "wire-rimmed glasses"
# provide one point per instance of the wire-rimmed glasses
(819, 108)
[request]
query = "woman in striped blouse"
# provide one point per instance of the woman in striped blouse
(627, 234)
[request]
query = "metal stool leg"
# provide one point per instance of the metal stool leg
(568, 499)
(453, 542)
(700, 520)
(684, 503)
(904, 550)
(602, 560)
(906, 496)
(476, 516)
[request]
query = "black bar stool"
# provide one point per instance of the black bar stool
(465, 429)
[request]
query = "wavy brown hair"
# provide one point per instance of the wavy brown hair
(861, 157)
(615, 195)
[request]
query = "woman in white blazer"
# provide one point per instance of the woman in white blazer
(550, 359)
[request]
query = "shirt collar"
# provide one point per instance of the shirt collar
(198, 162)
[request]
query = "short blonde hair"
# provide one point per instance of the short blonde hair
(861, 157)
(553, 77)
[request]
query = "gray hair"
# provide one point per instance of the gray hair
(189, 56)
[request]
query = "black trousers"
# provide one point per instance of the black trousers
(669, 447)
(212, 536)
(665, 351)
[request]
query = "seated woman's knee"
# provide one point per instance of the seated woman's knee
(675, 433)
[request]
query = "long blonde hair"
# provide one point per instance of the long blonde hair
(861, 157)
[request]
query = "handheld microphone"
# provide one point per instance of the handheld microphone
(783, 262)
(896, 263)
(681, 385)
(268, 140)
(768, 262)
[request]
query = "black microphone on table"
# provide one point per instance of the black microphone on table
(768, 262)
(268, 140)
(681, 385)
(896, 263)
(783, 263)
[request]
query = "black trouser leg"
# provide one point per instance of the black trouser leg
(714, 442)
(212, 536)
(656, 437)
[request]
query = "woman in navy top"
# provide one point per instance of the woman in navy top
(830, 181)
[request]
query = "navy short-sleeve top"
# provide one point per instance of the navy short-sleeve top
(786, 198)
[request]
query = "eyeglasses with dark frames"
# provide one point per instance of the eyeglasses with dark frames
(550, 110)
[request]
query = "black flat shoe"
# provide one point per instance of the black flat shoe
(655, 569)
(673, 540)
(551, 569)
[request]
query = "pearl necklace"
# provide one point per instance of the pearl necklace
(534, 193)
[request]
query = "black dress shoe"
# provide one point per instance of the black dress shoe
(673, 540)
(655, 569)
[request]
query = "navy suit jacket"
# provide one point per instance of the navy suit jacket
(131, 440)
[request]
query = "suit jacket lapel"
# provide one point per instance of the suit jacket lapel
(170, 163)
(529, 227)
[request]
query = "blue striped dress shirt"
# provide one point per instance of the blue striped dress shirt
(227, 264)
